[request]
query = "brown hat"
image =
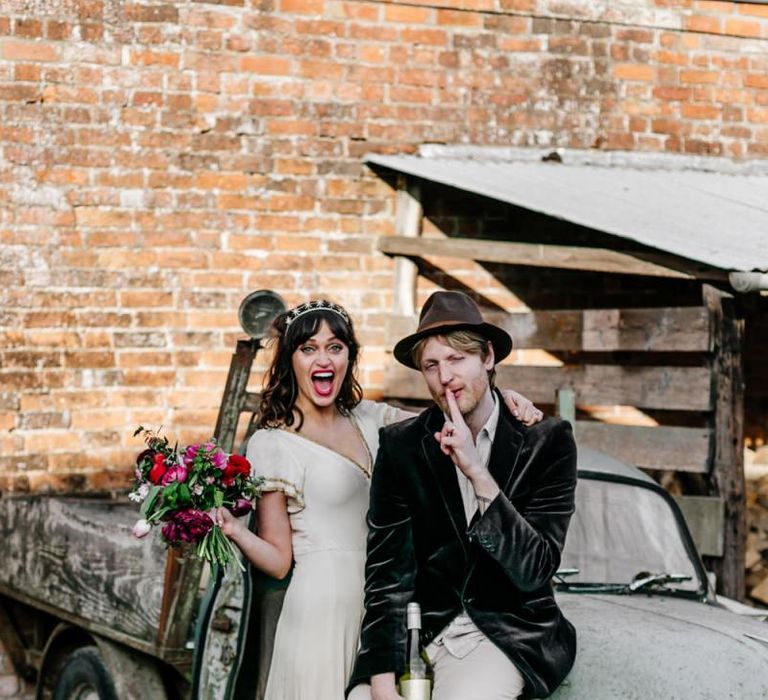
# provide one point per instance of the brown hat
(444, 312)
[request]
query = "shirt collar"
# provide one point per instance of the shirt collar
(493, 420)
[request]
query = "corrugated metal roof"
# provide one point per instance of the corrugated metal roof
(716, 218)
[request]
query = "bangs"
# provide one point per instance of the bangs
(306, 325)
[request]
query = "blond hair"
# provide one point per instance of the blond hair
(462, 340)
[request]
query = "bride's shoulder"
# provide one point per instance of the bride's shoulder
(266, 438)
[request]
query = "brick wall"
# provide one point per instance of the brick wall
(159, 161)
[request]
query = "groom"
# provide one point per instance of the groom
(468, 515)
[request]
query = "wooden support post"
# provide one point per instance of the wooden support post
(408, 215)
(565, 405)
(235, 395)
(183, 574)
(727, 474)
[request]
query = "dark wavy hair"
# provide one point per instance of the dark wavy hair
(278, 399)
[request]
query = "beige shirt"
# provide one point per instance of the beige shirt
(461, 635)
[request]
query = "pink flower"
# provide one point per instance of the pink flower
(190, 453)
(141, 528)
(207, 449)
(177, 472)
(219, 459)
(187, 526)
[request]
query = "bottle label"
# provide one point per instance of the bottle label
(415, 689)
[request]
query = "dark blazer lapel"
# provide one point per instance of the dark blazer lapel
(507, 444)
(445, 474)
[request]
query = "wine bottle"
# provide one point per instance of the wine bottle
(416, 682)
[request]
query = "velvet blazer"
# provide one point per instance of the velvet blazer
(499, 570)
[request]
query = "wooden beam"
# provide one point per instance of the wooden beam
(684, 329)
(535, 254)
(650, 447)
(408, 216)
(728, 463)
(671, 388)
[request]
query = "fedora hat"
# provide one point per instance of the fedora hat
(444, 312)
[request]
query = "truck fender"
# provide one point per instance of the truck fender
(135, 675)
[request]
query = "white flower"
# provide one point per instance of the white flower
(197, 489)
(140, 493)
(141, 528)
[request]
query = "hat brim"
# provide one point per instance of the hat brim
(498, 337)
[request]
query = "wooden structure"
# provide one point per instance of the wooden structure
(677, 358)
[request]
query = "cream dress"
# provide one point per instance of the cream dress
(319, 625)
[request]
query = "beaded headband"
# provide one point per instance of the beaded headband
(318, 305)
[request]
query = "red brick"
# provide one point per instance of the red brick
(28, 28)
(266, 65)
(703, 23)
(698, 76)
(28, 51)
(700, 111)
(460, 19)
(743, 28)
(671, 93)
(756, 80)
(753, 9)
(408, 14)
(56, 30)
(634, 71)
(151, 13)
(315, 7)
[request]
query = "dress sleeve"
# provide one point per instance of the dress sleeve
(275, 462)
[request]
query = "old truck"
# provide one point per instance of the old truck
(89, 611)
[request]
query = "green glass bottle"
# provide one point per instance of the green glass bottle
(416, 682)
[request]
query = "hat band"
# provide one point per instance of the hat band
(443, 324)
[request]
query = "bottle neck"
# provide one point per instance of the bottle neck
(417, 668)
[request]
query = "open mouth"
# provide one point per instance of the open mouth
(323, 382)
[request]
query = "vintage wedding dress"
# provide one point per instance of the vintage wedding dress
(319, 625)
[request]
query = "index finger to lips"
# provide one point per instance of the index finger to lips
(453, 407)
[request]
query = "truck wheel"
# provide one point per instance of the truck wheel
(84, 677)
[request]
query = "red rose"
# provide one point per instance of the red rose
(158, 469)
(236, 466)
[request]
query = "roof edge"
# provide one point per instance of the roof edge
(574, 156)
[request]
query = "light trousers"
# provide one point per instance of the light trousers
(484, 674)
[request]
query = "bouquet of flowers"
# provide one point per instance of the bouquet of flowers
(178, 487)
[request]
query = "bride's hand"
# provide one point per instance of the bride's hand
(229, 524)
(521, 407)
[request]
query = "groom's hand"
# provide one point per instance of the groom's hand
(383, 687)
(456, 440)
